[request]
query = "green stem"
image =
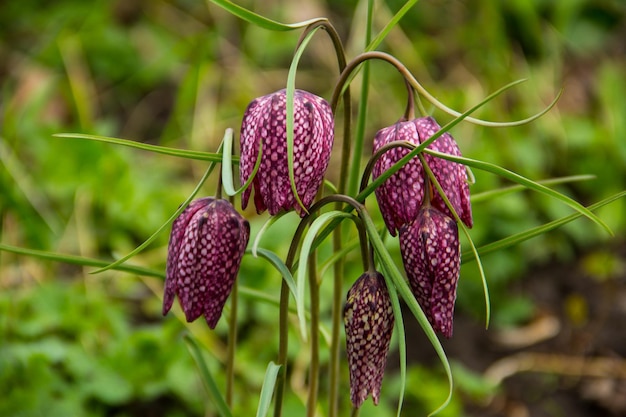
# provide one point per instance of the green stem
(232, 346)
(283, 324)
(334, 361)
(283, 335)
(315, 321)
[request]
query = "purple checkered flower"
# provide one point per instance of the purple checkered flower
(430, 250)
(401, 196)
(206, 245)
(265, 121)
(369, 321)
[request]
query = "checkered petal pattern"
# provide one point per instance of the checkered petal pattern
(265, 121)
(368, 319)
(430, 251)
(401, 196)
(206, 245)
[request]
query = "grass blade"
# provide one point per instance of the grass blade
(536, 231)
(182, 153)
(261, 21)
(207, 378)
(533, 185)
(269, 382)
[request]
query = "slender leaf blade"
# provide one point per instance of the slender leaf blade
(267, 390)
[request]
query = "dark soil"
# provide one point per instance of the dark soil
(569, 361)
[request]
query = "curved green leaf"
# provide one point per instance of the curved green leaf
(270, 221)
(512, 176)
(80, 260)
(227, 166)
(269, 382)
(261, 21)
(536, 231)
(390, 25)
(302, 264)
(183, 153)
(280, 267)
(498, 192)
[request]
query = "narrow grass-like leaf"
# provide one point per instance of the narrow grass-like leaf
(390, 25)
(267, 390)
(80, 260)
(261, 21)
(227, 165)
(280, 267)
(289, 124)
(361, 120)
(399, 329)
(305, 250)
(257, 239)
(209, 382)
(536, 231)
(163, 226)
(499, 192)
(533, 185)
(183, 153)
(28, 186)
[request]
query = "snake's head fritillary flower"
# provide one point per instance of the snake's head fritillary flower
(430, 251)
(401, 196)
(368, 319)
(265, 122)
(206, 245)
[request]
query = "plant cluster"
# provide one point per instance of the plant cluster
(421, 185)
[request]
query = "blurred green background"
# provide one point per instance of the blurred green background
(177, 73)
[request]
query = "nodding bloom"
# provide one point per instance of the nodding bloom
(401, 196)
(265, 122)
(369, 321)
(206, 245)
(430, 251)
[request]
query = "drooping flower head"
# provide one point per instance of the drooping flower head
(368, 319)
(206, 245)
(401, 196)
(430, 251)
(265, 121)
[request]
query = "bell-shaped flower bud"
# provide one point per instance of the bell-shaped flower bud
(265, 122)
(401, 196)
(206, 245)
(368, 319)
(430, 251)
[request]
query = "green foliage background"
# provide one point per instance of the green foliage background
(177, 73)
